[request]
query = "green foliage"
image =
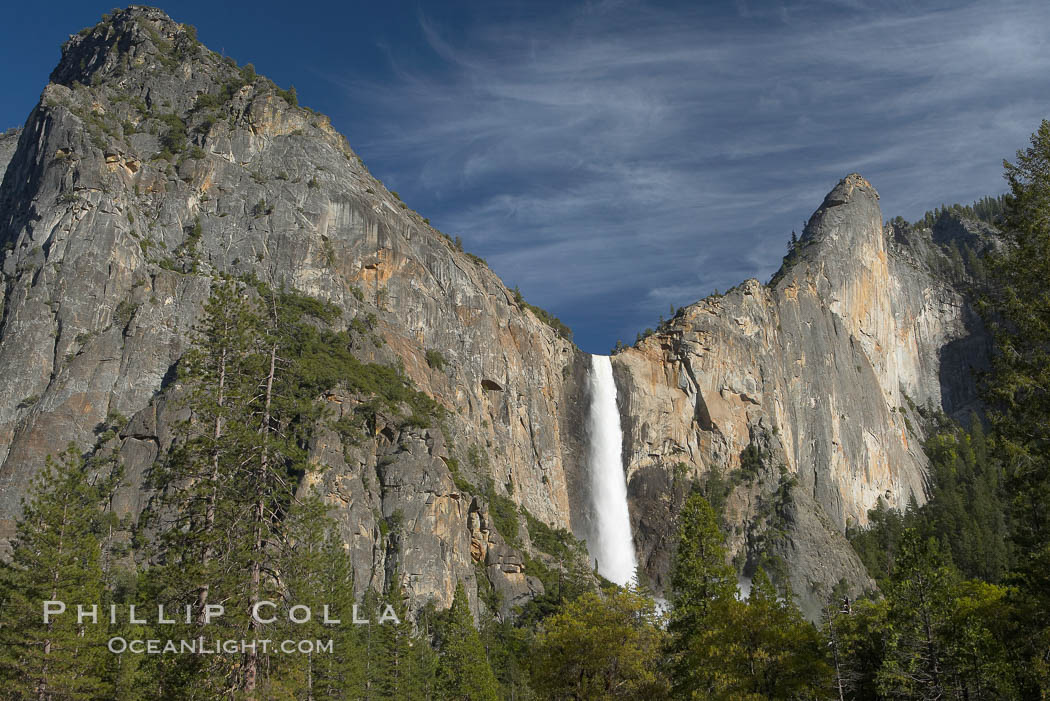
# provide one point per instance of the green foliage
(207, 101)
(435, 359)
(1017, 309)
(560, 543)
(601, 647)
(487, 594)
(174, 138)
(919, 598)
(966, 509)
(123, 313)
(240, 78)
(226, 475)
(461, 482)
(194, 237)
(318, 573)
(58, 556)
(703, 590)
(227, 514)
(248, 74)
(323, 360)
(724, 648)
(716, 489)
(289, 96)
(503, 511)
(933, 636)
(857, 643)
(544, 316)
(327, 251)
(770, 650)
(463, 670)
(987, 209)
(262, 208)
(400, 663)
(751, 462)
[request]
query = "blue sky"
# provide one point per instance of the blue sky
(616, 158)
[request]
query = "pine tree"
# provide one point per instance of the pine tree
(703, 601)
(601, 646)
(916, 664)
(226, 492)
(56, 558)
(509, 646)
(199, 512)
(317, 572)
(775, 652)
(860, 631)
(424, 657)
(1017, 308)
(369, 644)
(844, 676)
(396, 672)
(463, 672)
(976, 642)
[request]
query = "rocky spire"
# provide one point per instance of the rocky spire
(848, 216)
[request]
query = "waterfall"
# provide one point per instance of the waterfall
(610, 541)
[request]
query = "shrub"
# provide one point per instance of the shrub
(557, 542)
(174, 139)
(29, 401)
(543, 315)
(123, 313)
(207, 101)
(289, 96)
(435, 359)
(504, 514)
(262, 207)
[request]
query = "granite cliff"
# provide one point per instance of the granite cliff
(151, 165)
(803, 393)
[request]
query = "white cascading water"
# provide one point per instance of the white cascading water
(610, 543)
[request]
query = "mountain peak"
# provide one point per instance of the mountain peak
(121, 41)
(847, 224)
(850, 208)
(847, 188)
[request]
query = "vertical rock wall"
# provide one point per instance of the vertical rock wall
(801, 392)
(115, 221)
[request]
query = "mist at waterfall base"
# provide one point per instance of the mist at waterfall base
(610, 541)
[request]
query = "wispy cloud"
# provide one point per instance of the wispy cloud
(619, 157)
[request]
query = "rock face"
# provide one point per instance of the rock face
(8, 144)
(804, 391)
(143, 136)
(152, 165)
